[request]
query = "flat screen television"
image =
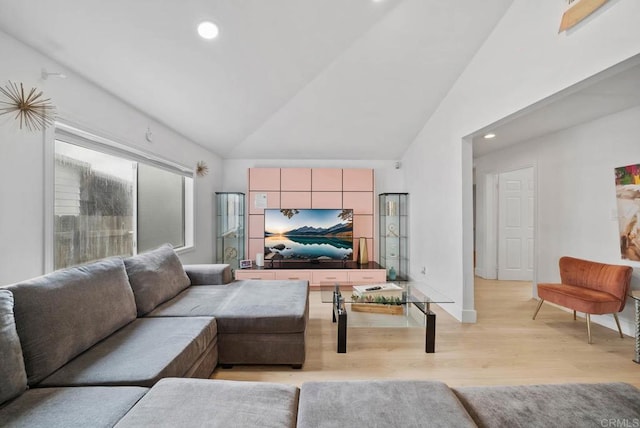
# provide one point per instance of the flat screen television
(308, 234)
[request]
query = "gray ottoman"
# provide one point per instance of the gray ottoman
(81, 407)
(175, 402)
(563, 405)
(380, 404)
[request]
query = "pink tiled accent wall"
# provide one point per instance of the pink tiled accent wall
(359, 180)
(312, 188)
(326, 199)
(264, 179)
(326, 180)
(295, 199)
(361, 202)
(255, 246)
(363, 226)
(295, 179)
(273, 201)
(256, 226)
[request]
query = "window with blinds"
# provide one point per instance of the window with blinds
(108, 202)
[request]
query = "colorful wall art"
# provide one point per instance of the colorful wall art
(628, 201)
(577, 11)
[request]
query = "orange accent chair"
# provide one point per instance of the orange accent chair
(589, 287)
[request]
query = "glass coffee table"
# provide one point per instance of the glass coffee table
(387, 304)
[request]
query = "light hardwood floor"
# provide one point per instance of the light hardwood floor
(505, 347)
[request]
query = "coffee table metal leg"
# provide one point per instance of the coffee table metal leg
(430, 333)
(340, 315)
(336, 304)
(342, 333)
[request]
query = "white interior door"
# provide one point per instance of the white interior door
(515, 225)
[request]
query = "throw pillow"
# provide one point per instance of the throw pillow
(64, 313)
(155, 277)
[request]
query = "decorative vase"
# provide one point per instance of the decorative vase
(392, 273)
(363, 257)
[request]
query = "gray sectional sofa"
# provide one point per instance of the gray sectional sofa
(121, 343)
(131, 322)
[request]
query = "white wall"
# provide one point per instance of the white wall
(22, 159)
(523, 61)
(575, 192)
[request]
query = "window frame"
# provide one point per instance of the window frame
(73, 135)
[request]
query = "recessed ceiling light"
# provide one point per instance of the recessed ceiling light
(490, 136)
(208, 30)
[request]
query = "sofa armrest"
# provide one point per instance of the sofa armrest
(209, 274)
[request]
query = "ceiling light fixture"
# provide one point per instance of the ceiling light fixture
(208, 30)
(489, 136)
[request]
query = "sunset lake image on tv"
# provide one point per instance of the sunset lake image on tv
(308, 234)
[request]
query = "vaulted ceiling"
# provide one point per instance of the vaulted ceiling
(291, 79)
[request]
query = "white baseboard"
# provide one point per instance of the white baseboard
(463, 315)
(469, 316)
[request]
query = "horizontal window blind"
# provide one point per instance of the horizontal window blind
(72, 135)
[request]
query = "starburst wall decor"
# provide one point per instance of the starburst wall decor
(202, 169)
(33, 111)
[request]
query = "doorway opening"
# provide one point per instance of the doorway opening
(515, 230)
(505, 212)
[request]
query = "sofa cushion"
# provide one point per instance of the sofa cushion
(202, 300)
(564, 405)
(215, 403)
(265, 306)
(140, 354)
(70, 407)
(12, 372)
(251, 306)
(380, 404)
(155, 276)
(64, 313)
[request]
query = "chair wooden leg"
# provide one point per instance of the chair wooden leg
(574, 315)
(589, 327)
(538, 308)
(615, 316)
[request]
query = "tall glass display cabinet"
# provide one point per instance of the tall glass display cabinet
(230, 240)
(393, 210)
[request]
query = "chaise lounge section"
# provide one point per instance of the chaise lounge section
(259, 322)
